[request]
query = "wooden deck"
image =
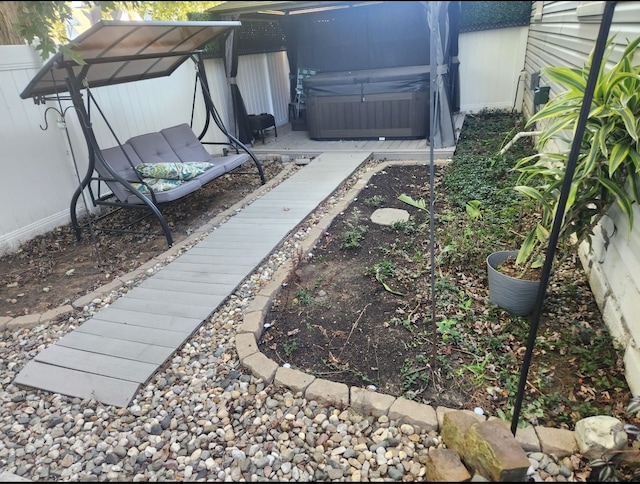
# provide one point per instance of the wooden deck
(298, 143)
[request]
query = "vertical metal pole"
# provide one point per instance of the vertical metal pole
(598, 52)
(433, 70)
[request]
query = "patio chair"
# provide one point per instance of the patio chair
(260, 122)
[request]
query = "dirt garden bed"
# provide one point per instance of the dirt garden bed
(359, 309)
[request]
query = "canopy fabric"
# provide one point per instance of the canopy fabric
(240, 121)
(442, 129)
(116, 52)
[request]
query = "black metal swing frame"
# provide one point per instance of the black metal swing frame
(76, 76)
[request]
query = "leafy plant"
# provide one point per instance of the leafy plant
(290, 347)
(419, 203)
(353, 235)
(447, 327)
(381, 271)
(609, 161)
(303, 296)
(376, 201)
(493, 15)
(481, 374)
(406, 227)
(474, 209)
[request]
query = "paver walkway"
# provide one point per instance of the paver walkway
(110, 356)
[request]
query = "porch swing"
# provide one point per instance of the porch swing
(148, 171)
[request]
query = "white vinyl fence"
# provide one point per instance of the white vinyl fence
(491, 65)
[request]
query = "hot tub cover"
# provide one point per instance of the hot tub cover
(371, 81)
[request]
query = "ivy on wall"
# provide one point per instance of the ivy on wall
(489, 15)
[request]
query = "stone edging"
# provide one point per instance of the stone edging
(560, 442)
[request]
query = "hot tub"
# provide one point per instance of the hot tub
(366, 104)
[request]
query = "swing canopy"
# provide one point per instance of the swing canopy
(113, 52)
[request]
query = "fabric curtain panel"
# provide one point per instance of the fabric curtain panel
(240, 121)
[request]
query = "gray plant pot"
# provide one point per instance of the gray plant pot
(518, 296)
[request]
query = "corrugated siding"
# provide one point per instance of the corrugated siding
(259, 95)
(560, 38)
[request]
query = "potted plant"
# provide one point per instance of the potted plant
(607, 169)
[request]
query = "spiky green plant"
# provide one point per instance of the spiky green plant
(608, 166)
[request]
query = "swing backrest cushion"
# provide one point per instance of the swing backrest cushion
(185, 143)
(188, 147)
(117, 159)
(153, 148)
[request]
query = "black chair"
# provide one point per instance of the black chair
(260, 122)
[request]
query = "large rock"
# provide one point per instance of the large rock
(598, 435)
(444, 465)
(486, 447)
(492, 451)
(389, 216)
(455, 427)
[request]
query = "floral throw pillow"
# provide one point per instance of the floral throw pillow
(157, 185)
(173, 171)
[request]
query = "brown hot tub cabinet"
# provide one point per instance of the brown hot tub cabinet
(377, 103)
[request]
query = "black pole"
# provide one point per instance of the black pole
(433, 109)
(431, 10)
(598, 52)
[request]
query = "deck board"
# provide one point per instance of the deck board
(96, 363)
(185, 286)
(174, 273)
(180, 323)
(140, 334)
(110, 391)
(296, 144)
(160, 308)
(130, 350)
(160, 295)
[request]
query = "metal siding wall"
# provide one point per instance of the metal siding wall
(561, 39)
(278, 73)
(490, 65)
(254, 93)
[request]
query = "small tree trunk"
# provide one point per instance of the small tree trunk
(8, 21)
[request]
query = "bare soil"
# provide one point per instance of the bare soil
(359, 310)
(55, 268)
